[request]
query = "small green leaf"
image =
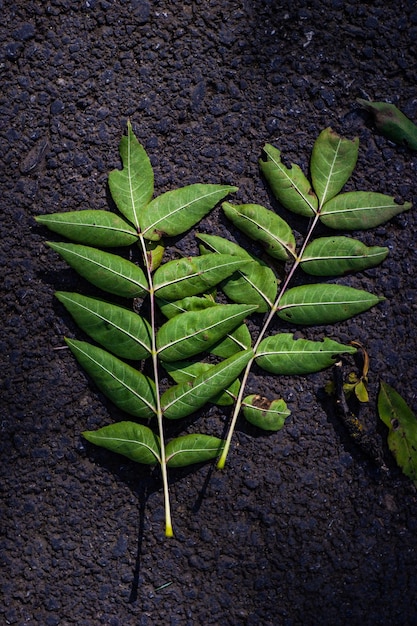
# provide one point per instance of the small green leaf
(335, 256)
(132, 187)
(125, 386)
(254, 283)
(264, 413)
(109, 272)
(359, 210)
(282, 354)
(189, 396)
(121, 331)
(190, 449)
(264, 226)
(193, 275)
(193, 332)
(402, 424)
(174, 212)
(99, 228)
(289, 185)
(154, 253)
(134, 441)
(332, 163)
(324, 303)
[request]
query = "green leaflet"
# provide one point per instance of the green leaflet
(194, 332)
(135, 441)
(289, 185)
(132, 187)
(190, 449)
(254, 283)
(402, 425)
(332, 162)
(264, 226)
(282, 354)
(356, 210)
(392, 123)
(189, 396)
(186, 371)
(98, 228)
(264, 413)
(121, 331)
(109, 272)
(335, 256)
(193, 275)
(174, 212)
(238, 339)
(125, 386)
(324, 304)
(154, 253)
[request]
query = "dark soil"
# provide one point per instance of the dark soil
(302, 527)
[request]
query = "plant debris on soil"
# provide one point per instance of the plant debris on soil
(302, 526)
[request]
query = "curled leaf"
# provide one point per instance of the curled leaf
(335, 256)
(190, 449)
(402, 425)
(132, 440)
(392, 123)
(124, 385)
(282, 354)
(289, 185)
(264, 413)
(324, 303)
(91, 227)
(109, 272)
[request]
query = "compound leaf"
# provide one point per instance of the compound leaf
(263, 225)
(289, 185)
(132, 187)
(135, 441)
(125, 386)
(324, 303)
(197, 331)
(189, 396)
(121, 331)
(91, 227)
(264, 413)
(190, 449)
(402, 425)
(174, 212)
(282, 354)
(359, 210)
(193, 275)
(332, 162)
(107, 271)
(335, 256)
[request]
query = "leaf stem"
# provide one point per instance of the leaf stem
(168, 520)
(239, 400)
